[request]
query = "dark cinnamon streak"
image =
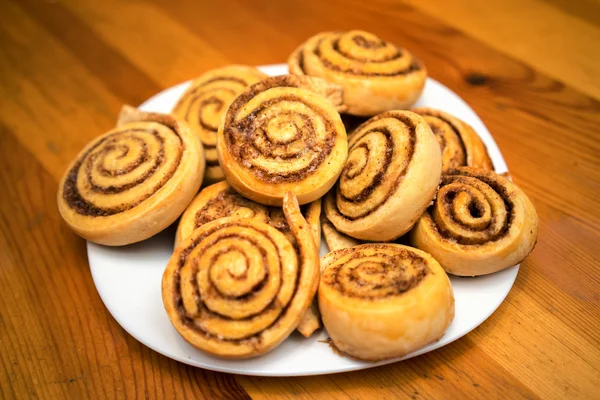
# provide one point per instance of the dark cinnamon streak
(124, 151)
(389, 260)
(414, 66)
(204, 93)
(222, 205)
(336, 46)
(239, 135)
(77, 202)
(228, 201)
(457, 175)
(254, 339)
(112, 189)
(389, 155)
(215, 290)
(204, 102)
(389, 152)
(366, 43)
(438, 131)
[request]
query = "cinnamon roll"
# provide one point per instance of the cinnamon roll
(204, 103)
(237, 288)
(479, 223)
(221, 201)
(282, 135)
(460, 145)
(376, 75)
(132, 182)
(393, 170)
(382, 301)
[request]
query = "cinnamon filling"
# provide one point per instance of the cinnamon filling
(365, 194)
(223, 205)
(77, 202)
(241, 140)
(375, 276)
(320, 52)
(366, 43)
(194, 322)
(475, 210)
(439, 129)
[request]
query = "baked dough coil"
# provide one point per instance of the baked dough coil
(479, 223)
(376, 75)
(391, 176)
(381, 301)
(236, 288)
(132, 182)
(282, 134)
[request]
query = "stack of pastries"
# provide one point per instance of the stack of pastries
(278, 167)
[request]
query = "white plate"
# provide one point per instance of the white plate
(129, 278)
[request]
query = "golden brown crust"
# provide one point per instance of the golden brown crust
(205, 102)
(479, 223)
(311, 213)
(390, 177)
(335, 239)
(280, 136)
(217, 201)
(311, 320)
(237, 288)
(460, 144)
(132, 182)
(381, 301)
(376, 75)
(221, 201)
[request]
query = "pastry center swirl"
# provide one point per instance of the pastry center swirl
(280, 138)
(362, 53)
(376, 272)
(472, 211)
(236, 280)
(380, 154)
(122, 169)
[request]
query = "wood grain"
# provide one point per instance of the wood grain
(66, 68)
(557, 37)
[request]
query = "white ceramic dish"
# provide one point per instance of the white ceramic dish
(129, 278)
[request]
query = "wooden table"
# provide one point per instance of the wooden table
(529, 68)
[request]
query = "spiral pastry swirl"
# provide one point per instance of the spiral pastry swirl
(238, 288)
(221, 201)
(479, 223)
(390, 177)
(133, 181)
(383, 300)
(218, 201)
(205, 102)
(460, 145)
(282, 135)
(376, 75)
